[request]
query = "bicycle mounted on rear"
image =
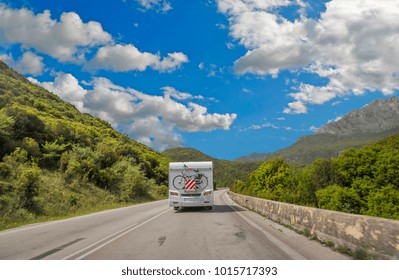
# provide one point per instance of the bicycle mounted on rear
(182, 181)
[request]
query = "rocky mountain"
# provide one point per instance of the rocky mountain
(377, 120)
(378, 116)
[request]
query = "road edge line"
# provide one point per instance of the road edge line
(286, 249)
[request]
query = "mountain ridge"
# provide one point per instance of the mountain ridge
(376, 120)
(383, 112)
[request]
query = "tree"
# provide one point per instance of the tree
(32, 147)
(383, 202)
(27, 187)
(273, 180)
(6, 123)
(357, 163)
(52, 153)
(26, 124)
(339, 199)
(319, 175)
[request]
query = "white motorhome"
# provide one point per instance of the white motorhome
(191, 184)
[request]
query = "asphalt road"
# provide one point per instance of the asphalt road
(155, 231)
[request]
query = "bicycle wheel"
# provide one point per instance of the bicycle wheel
(202, 182)
(179, 182)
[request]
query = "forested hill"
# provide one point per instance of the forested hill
(55, 160)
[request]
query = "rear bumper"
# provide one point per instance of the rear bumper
(191, 201)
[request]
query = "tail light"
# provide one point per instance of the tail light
(207, 193)
(173, 193)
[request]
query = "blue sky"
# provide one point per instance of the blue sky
(227, 77)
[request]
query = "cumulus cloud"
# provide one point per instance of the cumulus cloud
(353, 44)
(171, 62)
(155, 133)
(70, 40)
(122, 58)
(67, 87)
(65, 40)
(29, 63)
(152, 120)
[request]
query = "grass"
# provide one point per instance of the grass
(57, 200)
(9, 224)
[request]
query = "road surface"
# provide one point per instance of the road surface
(155, 231)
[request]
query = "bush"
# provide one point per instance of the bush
(383, 203)
(27, 187)
(5, 170)
(339, 199)
(273, 180)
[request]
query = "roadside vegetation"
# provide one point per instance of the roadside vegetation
(56, 161)
(359, 181)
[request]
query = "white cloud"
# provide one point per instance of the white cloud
(29, 63)
(266, 125)
(190, 118)
(8, 59)
(123, 58)
(295, 107)
(65, 40)
(313, 128)
(155, 133)
(70, 39)
(67, 88)
(212, 70)
(353, 45)
(158, 5)
(247, 90)
(172, 92)
(335, 119)
(153, 120)
(171, 62)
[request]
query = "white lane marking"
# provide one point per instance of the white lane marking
(98, 242)
(85, 216)
(288, 250)
(117, 235)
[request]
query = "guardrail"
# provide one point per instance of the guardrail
(377, 236)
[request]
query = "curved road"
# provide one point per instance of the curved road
(155, 231)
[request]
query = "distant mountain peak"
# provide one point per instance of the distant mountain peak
(377, 116)
(375, 121)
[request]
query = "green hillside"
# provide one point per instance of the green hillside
(56, 161)
(309, 148)
(225, 172)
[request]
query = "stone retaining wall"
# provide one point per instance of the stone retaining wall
(380, 237)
